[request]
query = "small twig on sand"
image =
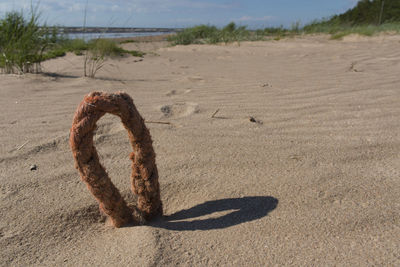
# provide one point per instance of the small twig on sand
(158, 122)
(215, 113)
(21, 146)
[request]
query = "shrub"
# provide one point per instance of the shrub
(205, 34)
(97, 52)
(74, 45)
(231, 33)
(22, 43)
(196, 35)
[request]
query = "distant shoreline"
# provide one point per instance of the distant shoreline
(76, 30)
(117, 35)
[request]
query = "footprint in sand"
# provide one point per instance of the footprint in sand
(171, 93)
(179, 110)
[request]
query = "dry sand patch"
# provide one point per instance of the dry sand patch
(317, 183)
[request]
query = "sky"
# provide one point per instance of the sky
(179, 13)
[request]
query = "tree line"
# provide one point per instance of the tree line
(370, 12)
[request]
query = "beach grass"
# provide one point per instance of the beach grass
(109, 47)
(338, 31)
(97, 51)
(206, 34)
(24, 44)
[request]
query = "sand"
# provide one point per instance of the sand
(314, 180)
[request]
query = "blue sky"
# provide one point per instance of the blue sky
(180, 13)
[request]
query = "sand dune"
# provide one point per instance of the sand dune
(315, 182)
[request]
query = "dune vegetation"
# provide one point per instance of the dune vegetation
(24, 44)
(206, 34)
(366, 18)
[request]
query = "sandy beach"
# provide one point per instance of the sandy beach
(300, 165)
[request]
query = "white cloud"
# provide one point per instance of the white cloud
(76, 7)
(115, 8)
(138, 6)
(156, 6)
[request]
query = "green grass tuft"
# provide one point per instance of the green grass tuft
(205, 34)
(110, 48)
(22, 43)
(128, 41)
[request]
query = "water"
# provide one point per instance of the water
(94, 35)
